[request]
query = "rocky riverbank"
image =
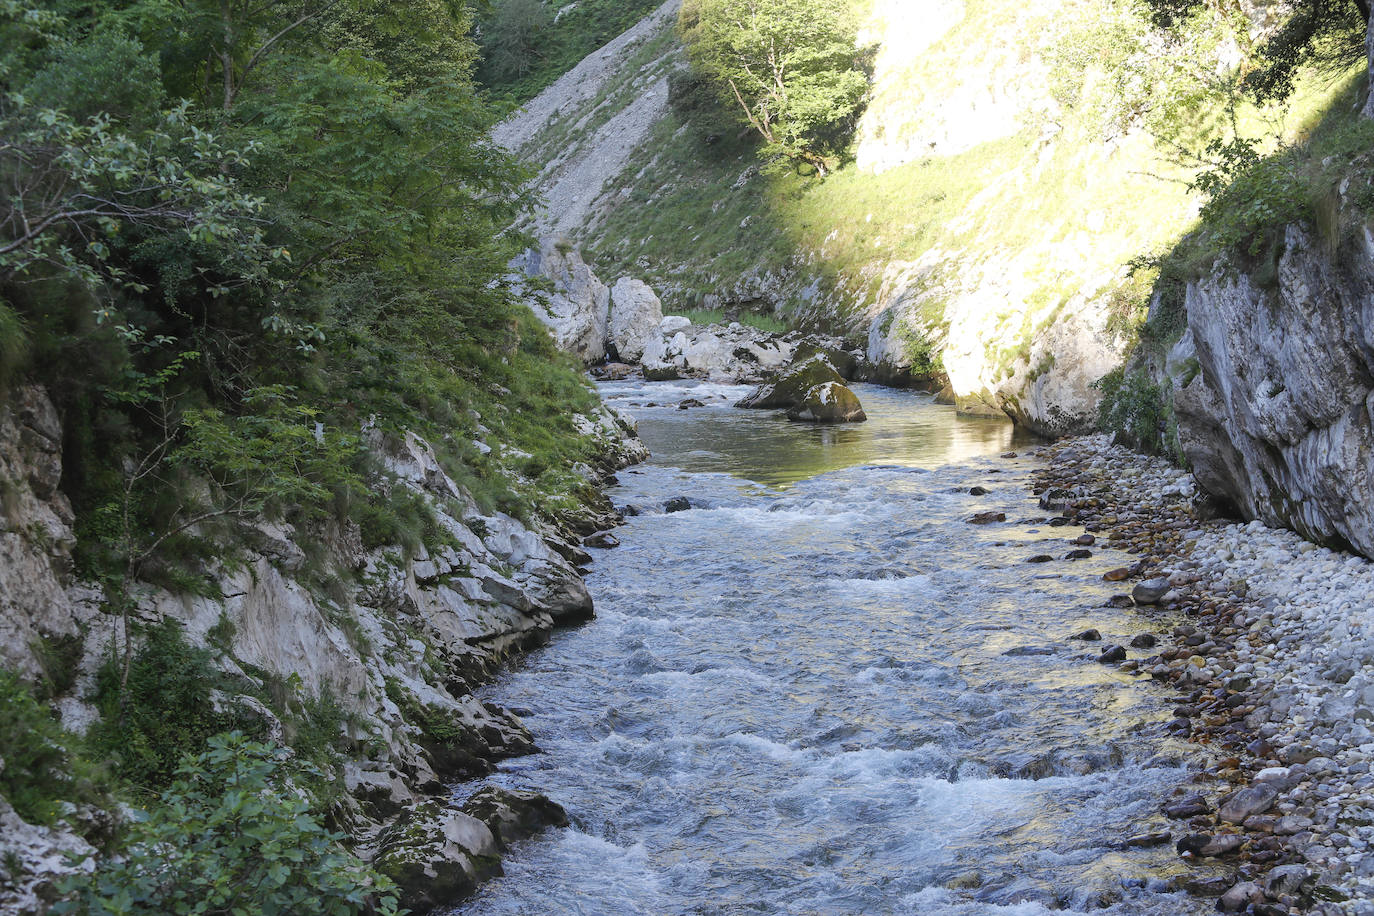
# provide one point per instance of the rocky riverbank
(1273, 672)
(398, 644)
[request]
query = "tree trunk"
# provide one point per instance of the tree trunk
(1369, 54)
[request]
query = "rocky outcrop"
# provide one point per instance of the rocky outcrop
(730, 352)
(577, 309)
(830, 402)
(400, 645)
(38, 600)
(1274, 389)
(990, 333)
(635, 318)
(438, 854)
(626, 321)
(33, 860)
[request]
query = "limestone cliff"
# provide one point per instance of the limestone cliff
(1273, 385)
(400, 647)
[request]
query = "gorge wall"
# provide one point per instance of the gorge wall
(984, 239)
(397, 644)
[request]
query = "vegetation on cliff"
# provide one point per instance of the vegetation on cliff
(242, 244)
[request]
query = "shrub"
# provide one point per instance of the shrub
(164, 711)
(232, 835)
(37, 764)
(1139, 413)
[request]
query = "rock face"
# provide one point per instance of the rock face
(37, 600)
(401, 647)
(578, 310)
(1274, 390)
(635, 318)
(830, 402)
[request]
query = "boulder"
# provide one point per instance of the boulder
(635, 318)
(671, 324)
(830, 402)
(789, 388)
(846, 363)
(436, 855)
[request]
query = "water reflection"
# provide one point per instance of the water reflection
(905, 429)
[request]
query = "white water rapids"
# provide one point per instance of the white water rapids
(819, 690)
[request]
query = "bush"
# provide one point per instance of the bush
(231, 836)
(164, 711)
(37, 772)
(1139, 413)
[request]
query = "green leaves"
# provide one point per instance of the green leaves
(232, 835)
(791, 70)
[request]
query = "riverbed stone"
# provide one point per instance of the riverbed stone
(1150, 591)
(1239, 897)
(1243, 803)
(792, 385)
(829, 402)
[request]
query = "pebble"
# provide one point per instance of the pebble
(1275, 667)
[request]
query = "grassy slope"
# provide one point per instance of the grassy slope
(1068, 207)
(585, 27)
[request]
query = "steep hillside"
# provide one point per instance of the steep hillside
(1010, 168)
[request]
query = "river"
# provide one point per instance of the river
(819, 690)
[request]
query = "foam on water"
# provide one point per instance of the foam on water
(819, 691)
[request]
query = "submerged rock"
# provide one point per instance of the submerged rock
(831, 402)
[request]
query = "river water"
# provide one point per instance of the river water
(819, 690)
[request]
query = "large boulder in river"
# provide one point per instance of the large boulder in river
(791, 387)
(846, 362)
(635, 318)
(830, 402)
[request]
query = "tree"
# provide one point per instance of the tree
(1329, 34)
(791, 68)
(515, 38)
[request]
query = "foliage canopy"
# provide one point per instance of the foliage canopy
(790, 70)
